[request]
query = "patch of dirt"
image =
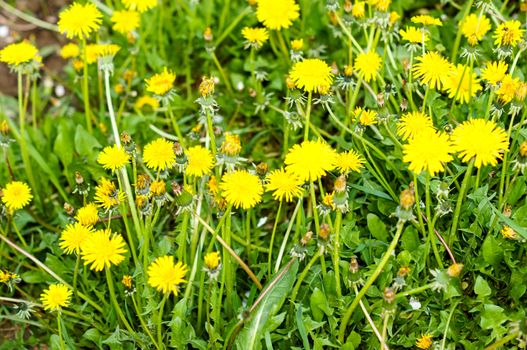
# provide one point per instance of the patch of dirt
(17, 29)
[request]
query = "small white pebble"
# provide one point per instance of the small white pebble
(4, 31)
(59, 90)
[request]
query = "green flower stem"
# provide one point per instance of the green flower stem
(76, 273)
(296, 214)
(200, 300)
(498, 344)
(248, 234)
(459, 32)
(308, 115)
(113, 298)
(283, 46)
(314, 206)
(18, 233)
(212, 137)
(372, 324)
(352, 103)
(175, 125)
(111, 112)
(59, 327)
(431, 222)
(302, 276)
(85, 91)
(143, 323)
(232, 25)
(160, 320)
(336, 252)
(418, 205)
(423, 108)
(410, 81)
(460, 198)
(47, 269)
(125, 183)
(443, 343)
(489, 103)
(231, 252)
(222, 73)
(504, 167)
(380, 266)
(22, 140)
(270, 255)
(34, 102)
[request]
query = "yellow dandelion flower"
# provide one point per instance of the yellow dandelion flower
(113, 158)
(277, 14)
(88, 215)
(241, 189)
(359, 9)
(368, 64)
(381, 5)
(508, 34)
(474, 28)
(494, 71)
(310, 160)
(480, 139)
(508, 88)
(107, 195)
(460, 84)
(212, 260)
(165, 275)
(19, 53)
(424, 342)
(311, 74)
(284, 185)
(394, 17)
(413, 123)
(144, 101)
(70, 50)
(140, 5)
(255, 36)
(125, 21)
(432, 69)
(508, 232)
(200, 161)
(161, 83)
(73, 236)
(297, 44)
(426, 20)
(365, 116)
(106, 50)
(79, 21)
(56, 297)
(231, 146)
(349, 161)
(92, 53)
(158, 188)
(414, 35)
(16, 195)
(159, 155)
(428, 151)
(103, 249)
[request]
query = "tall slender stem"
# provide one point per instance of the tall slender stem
(460, 198)
(85, 91)
(270, 255)
(308, 115)
(160, 320)
(380, 266)
(336, 252)
(59, 328)
(113, 298)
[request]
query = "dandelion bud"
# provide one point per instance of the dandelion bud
(323, 89)
(307, 237)
(394, 17)
(324, 232)
(125, 138)
(354, 265)
(127, 281)
(119, 88)
(178, 149)
(403, 271)
(358, 10)
(404, 105)
(508, 232)
(380, 99)
(523, 7)
(407, 199)
(523, 149)
(128, 75)
(521, 91)
(207, 34)
(348, 70)
(262, 169)
(4, 127)
(333, 18)
(176, 188)
(158, 188)
(348, 6)
(142, 185)
(252, 92)
(206, 88)
(213, 185)
(68, 208)
(297, 44)
(340, 184)
(78, 178)
(454, 270)
(507, 211)
(290, 83)
(77, 65)
(389, 295)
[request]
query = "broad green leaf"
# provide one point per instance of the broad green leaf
(492, 316)
(481, 288)
(252, 334)
(492, 251)
(377, 227)
(319, 305)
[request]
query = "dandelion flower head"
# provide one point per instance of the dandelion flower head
(165, 275)
(277, 14)
(428, 151)
(159, 155)
(113, 158)
(103, 249)
(284, 185)
(79, 21)
(16, 195)
(311, 74)
(56, 297)
(241, 189)
(368, 64)
(310, 160)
